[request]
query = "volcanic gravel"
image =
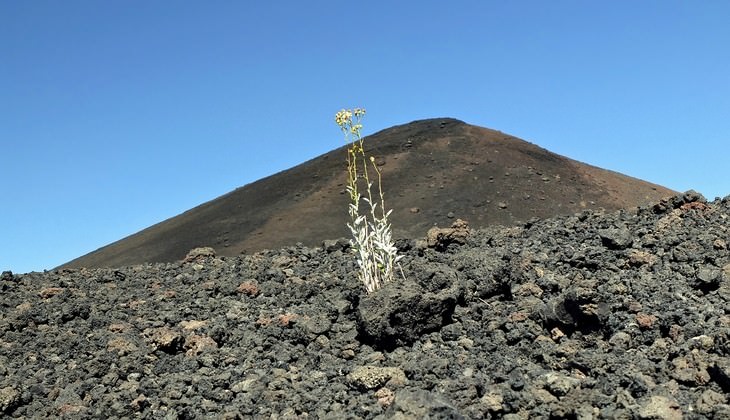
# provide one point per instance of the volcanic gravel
(595, 315)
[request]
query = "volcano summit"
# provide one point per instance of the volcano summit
(434, 171)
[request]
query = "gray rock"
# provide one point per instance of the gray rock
(616, 238)
(403, 310)
(9, 398)
(372, 377)
(660, 407)
(421, 404)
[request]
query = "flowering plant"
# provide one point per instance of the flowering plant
(372, 237)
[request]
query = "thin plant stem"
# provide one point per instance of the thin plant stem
(372, 237)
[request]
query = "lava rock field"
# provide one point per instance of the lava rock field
(596, 315)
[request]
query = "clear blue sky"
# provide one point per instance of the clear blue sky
(116, 115)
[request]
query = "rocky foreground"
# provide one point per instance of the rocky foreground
(619, 315)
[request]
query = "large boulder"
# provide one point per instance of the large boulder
(406, 308)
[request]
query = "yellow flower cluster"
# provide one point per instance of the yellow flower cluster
(344, 118)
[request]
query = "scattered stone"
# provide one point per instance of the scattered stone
(199, 254)
(49, 292)
(139, 403)
(317, 324)
(196, 344)
(441, 238)
(287, 319)
(639, 258)
(371, 377)
(556, 334)
(708, 278)
(726, 272)
(165, 339)
(675, 332)
(121, 346)
(709, 399)
(119, 327)
(691, 369)
(559, 384)
(659, 350)
(421, 404)
(385, 397)
(9, 398)
(249, 288)
(247, 385)
(493, 401)
(616, 238)
(702, 342)
(620, 340)
(660, 407)
(645, 321)
(333, 245)
(193, 324)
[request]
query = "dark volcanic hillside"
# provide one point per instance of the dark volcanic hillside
(433, 171)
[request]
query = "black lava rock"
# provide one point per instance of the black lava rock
(596, 315)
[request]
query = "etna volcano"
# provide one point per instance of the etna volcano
(434, 171)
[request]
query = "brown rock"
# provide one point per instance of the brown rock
(638, 258)
(385, 396)
(691, 369)
(193, 324)
(196, 344)
(121, 346)
(249, 288)
(645, 321)
(119, 327)
(164, 339)
(9, 398)
(371, 377)
(442, 237)
(49, 292)
(197, 254)
(659, 407)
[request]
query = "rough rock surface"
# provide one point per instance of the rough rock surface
(595, 315)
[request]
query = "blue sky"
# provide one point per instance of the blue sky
(117, 115)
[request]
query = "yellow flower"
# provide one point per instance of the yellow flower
(355, 129)
(343, 117)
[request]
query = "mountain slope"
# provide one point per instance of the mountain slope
(433, 171)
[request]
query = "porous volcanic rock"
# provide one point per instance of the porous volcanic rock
(593, 315)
